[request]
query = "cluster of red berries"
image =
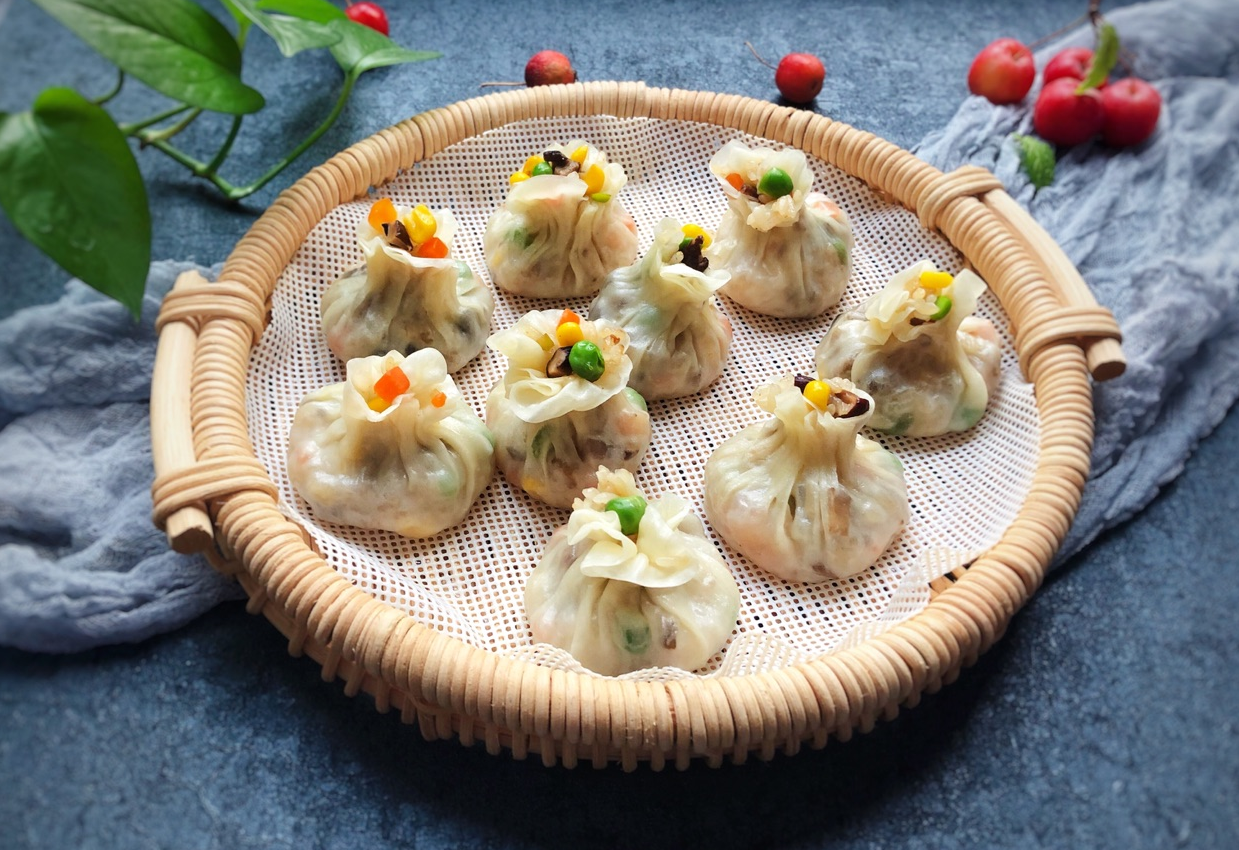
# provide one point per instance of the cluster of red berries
(1123, 112)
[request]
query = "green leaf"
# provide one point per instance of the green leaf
(361, 49)
(1037, 160)
(173, 46)
(1105, 57)
(290, 34)
(319, 11)
(72, 187)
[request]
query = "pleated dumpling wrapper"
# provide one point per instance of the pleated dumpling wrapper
(410, 294)
(563, 407)
(916, 347)
(628, 584)
(562, 226)
(394, 447)
(802, 494)
(678, 337)
(788, 249)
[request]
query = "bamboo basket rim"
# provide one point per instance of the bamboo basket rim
(211, 494)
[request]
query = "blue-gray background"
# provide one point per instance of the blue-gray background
(1104, 718)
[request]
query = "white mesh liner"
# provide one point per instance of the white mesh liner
(468, 582)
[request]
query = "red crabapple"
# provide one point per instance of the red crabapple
(1002, 72)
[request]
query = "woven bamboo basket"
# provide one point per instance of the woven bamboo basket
(211, 493)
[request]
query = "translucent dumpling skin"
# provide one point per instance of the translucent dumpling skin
(930, 365)
(802, 494)
(659, 596)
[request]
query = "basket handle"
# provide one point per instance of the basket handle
(188, 528)
(1079, 318)
(1083, 318)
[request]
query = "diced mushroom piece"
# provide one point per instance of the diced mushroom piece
(668, 632)
(840, 512)
(558, 366)
(560, 163)
(399, 237)
(849, 404)
(691, 249)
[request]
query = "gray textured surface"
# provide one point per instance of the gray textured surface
(1104, 718)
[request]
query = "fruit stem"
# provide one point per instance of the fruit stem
(488, 85)
(1092, 15)
(1060, 31)
(758, 55)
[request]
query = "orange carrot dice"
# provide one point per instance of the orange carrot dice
(433, 248)
(382, 212)
(392, 384)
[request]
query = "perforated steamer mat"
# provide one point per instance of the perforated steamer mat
(435, 629)
(468, 582)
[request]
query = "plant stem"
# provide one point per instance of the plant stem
(207, 171)
(131, 129)
(197, 167)
(147, 138)
(120, 81)
(239, 192)
(222, 153)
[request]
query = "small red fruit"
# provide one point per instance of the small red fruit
(1063, 117)
(1131, 107)
(368, 15)
(1002, 72)
(1072, 62)
(800, 77)
(548, 67)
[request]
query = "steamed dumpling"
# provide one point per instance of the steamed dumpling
(629, 583)
(555, 421)
(678, 337)
(787, 248)
(411, 293)
(930, 365)
(802, 494)
(394, 447)
(563, 229)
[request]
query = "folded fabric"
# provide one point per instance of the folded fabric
(1153, 230)
(81, 565)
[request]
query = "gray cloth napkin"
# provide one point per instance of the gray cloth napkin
(1153, 231)
(80, 563)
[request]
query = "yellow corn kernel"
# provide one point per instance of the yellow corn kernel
(580, 153)
(517, 177)
(378, 404)
(936, 279)
(818, 394)
(569, 333)
(692, 231)
(530, 163)
(594, 178)
(422, 224)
